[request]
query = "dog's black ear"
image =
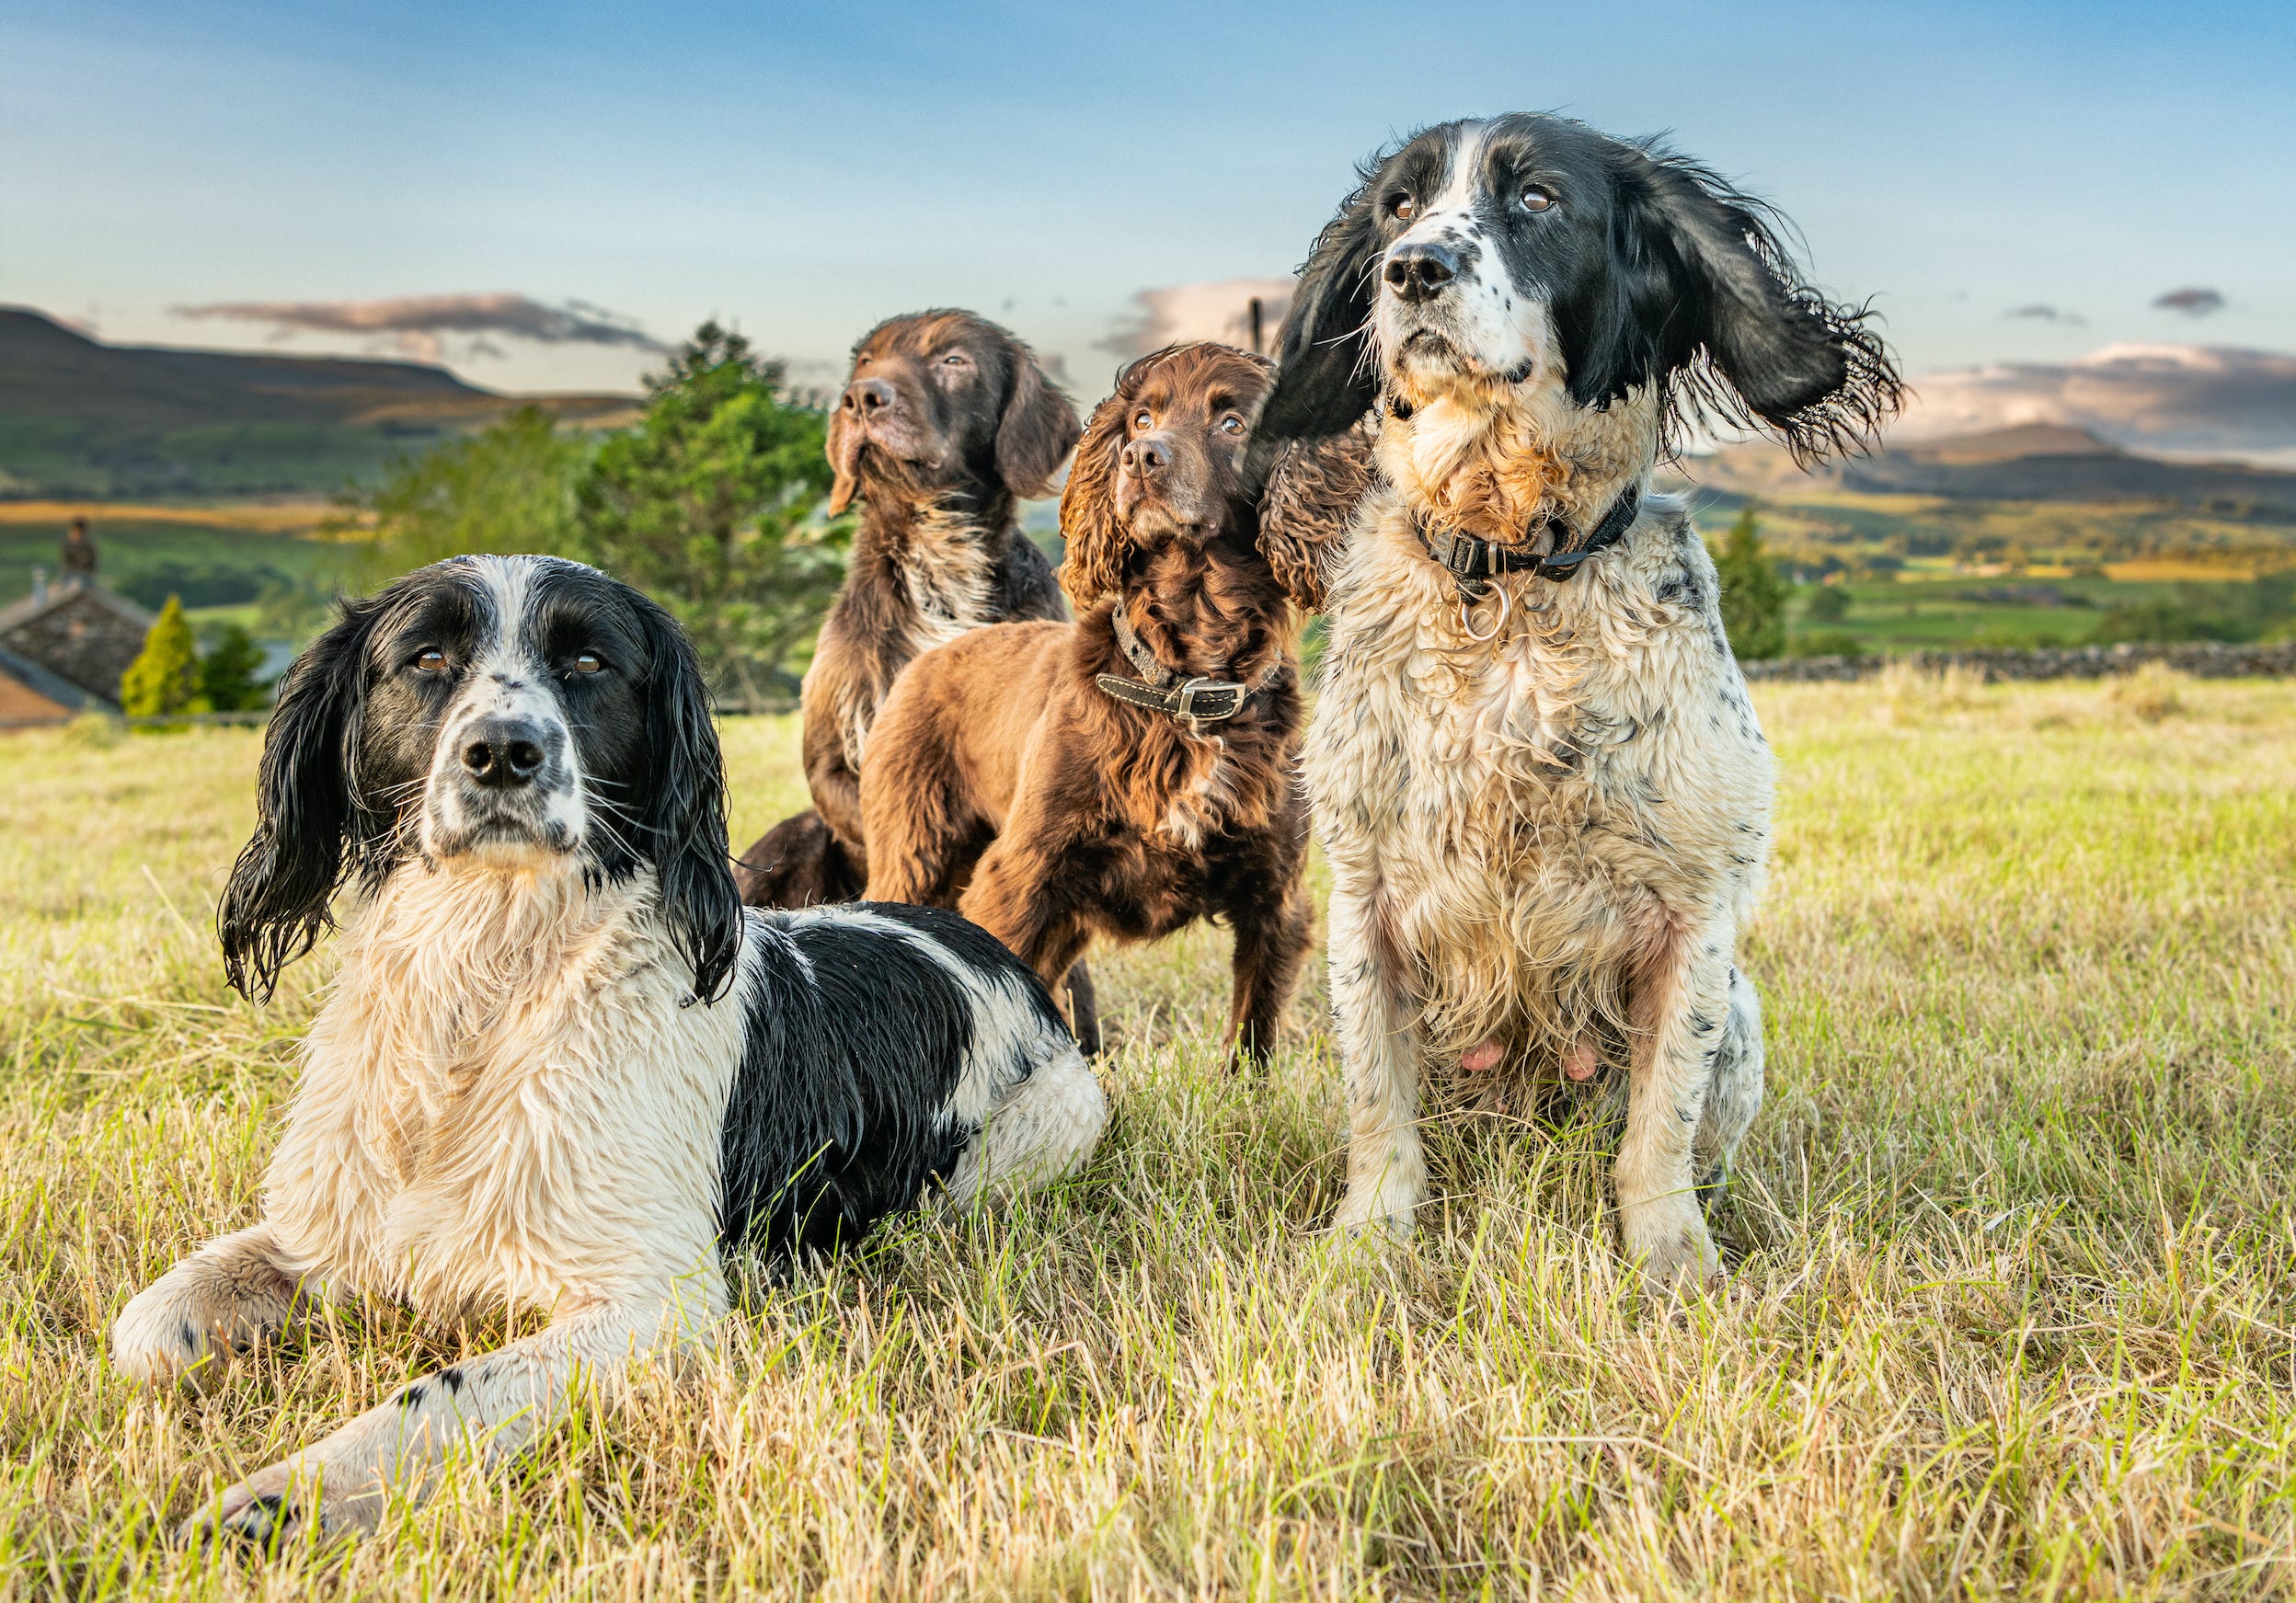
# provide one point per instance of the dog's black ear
(1036, 429)
(276, 901)
(682, 828)
(1327, 374)
(1698, 268)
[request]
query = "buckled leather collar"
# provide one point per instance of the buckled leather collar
(1194, 702)
(1473, 562)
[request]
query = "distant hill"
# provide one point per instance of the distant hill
(82, 419)
(2036, 462)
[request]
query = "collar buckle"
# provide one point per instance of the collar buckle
(1209, 700)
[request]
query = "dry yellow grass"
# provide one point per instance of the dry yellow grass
(2015, 1307)
(286, 515)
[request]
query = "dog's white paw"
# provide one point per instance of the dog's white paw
(1375, 1213)
(279, 1505)
(1677, 1257)
(152, 1342)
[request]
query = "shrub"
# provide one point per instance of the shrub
(1828, 603)
(1753, 595)
(164, 677)
(228, 674)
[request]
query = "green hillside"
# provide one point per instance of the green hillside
(81, 419)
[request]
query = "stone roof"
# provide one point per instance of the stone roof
(80, 633)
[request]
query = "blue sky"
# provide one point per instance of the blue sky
(807, 170)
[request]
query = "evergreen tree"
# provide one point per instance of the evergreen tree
(164, 677)
(1753, 595)
(711, 506)
(228, 673)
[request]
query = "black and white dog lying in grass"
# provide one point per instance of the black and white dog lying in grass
(562, 1067)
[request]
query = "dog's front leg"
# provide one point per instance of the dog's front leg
(490, 1408)
(1379, 1051)
(231, 1296)
(1272, 931)
(1681, 1003)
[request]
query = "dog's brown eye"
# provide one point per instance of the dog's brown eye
(1536, 200)
(432, 661)
(1404, 207)
(954, 359)
(1144, 420)
(1231, 424)
(587, 663)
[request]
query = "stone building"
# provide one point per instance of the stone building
(63, 647)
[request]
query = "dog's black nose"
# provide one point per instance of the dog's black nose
(1147, 457)
(868, 396)
(503, 752)
(1419, 272)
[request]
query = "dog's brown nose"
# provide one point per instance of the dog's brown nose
(866, 395)
(1147, 457)
(1419, 271)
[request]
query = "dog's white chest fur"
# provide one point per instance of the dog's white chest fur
(503, 1097)
(1538, 809)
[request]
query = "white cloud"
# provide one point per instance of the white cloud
(2192, 400)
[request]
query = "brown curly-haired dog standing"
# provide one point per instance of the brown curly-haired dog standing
(1135, 770)
(945, 422)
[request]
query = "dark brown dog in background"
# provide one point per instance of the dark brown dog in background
(946, 422)
(1053, 781)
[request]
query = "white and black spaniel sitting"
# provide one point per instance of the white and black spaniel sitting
(1535, 768)
(562, 1067)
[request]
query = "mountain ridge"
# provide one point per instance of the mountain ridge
(78, 417)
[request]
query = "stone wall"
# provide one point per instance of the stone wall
(2208, 660)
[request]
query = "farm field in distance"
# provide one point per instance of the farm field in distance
(2015, 1301)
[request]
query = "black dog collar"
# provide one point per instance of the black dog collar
(1193, 702)
(1473, 562)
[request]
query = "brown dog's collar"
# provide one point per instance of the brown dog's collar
(1194, 702)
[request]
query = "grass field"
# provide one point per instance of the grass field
(2013, 1315)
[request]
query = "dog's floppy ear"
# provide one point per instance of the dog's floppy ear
(683, 827)
(1094, 561)
(1308, 508)
(844, 457)
(276, 902)
(1327, 374)
(1697, 268)
(1035, 431)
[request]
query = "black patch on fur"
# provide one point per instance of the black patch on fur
(451, 1378)
(411, 1399)
(191, 1339)
(856, 1039)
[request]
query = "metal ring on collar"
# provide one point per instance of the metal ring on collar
(1467, 615)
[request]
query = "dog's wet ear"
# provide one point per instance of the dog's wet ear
(1698, 269)
(844, 457)
(1036, 429)
(1327, 373)
(275, 903)
(1093, 562)
(682, 826)
(1308, 508)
